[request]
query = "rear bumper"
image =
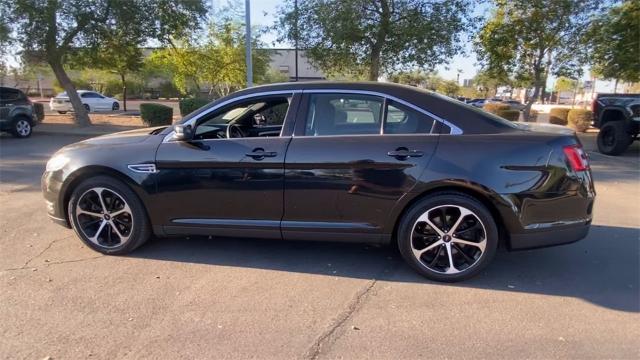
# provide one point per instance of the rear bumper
(550, 236)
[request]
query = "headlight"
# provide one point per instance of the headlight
(57, 162)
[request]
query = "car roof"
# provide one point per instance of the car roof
(467, 117)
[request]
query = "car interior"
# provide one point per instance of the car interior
(256, 118)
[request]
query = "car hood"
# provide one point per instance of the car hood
(119, 138)
(546, 128)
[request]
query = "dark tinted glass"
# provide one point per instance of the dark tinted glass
(404, 120)
(343, 114)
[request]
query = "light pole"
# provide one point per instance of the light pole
(295, 4)
(247, 20)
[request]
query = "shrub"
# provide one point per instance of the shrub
(188, 106)
(580, 119)
(533, 115)
(495, 107)
(558, 116)
(156, 114)
(509, 114)
(38, 110)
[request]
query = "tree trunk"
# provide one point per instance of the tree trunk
(381, 37)
(124, 92)
(81, 116)
(615, 87)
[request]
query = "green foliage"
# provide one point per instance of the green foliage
(558, 116)
(564, 83)
(80, 84)
(528, 39)
(494, 108)
(273, 76)
(218, 62)
(48, 31)
(38, 109)
(448, 87)
(188, 106)
(156, 114)
(366, 39)
(509, 114)
(613, 41)
(580, 119)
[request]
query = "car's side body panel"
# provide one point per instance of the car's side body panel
(344, 188)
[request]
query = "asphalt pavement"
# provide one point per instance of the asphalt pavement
(262, 299)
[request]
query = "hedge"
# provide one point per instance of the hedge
(38, 110)
(558, 116)
(495, 107)
(580, 119)
(156, 114)
(509, 114)
(188, 106)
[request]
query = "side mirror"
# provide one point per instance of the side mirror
(183, 133)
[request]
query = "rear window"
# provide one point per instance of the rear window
(8, 94)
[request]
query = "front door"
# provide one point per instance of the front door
(231, 176)
(352, 158)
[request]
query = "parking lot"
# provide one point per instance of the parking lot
(246, 298)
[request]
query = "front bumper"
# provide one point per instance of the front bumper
(51, 191)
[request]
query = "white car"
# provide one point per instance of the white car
(91, 100)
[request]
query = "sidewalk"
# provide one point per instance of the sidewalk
(71, 129)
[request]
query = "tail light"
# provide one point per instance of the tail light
(577, 157)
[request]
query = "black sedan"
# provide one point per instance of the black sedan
(356, 162)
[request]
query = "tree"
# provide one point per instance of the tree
(529, 39)
(449, 87)
(564, 83)
(614, 43)
(50, 30)
(373, 37)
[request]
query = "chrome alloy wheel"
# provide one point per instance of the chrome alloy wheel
(104, 217)
(448, 239)
(23, 128)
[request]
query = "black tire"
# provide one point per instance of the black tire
(405, 232)
(140, 230)
(115, 106)
(62, 112)
(22, 127)
(87, 107)
(613, 138)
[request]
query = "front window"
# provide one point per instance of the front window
(258, 117)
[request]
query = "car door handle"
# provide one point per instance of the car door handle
(403, 153)
(259, 154)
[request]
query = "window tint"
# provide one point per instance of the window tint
(343, 114)
(404, 120)
(10, 94)
(255, 118)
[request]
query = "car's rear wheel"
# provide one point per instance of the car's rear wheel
(87, 107)
(108, 216)
(613, 138)
(62, 112)
(115, 106)
(22, 127)
(448, 237)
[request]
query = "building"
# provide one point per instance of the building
(284, 61)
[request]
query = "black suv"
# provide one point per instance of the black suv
(17, 114)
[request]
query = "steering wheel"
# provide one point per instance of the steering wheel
(234, 131)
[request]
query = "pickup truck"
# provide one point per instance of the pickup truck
(618, 118)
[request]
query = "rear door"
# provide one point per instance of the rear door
(352, 157)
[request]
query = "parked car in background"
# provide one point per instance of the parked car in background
(618, 118)
(359, 162)
(17, 114)
(91, 100)
(479, 103)
(514, 104)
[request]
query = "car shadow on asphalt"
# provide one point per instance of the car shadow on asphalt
(601, 269)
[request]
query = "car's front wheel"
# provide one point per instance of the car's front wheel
(108, 216)
(62, 112)
(87, 107)
(115, 106)
(448, 237)
(22, 127)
